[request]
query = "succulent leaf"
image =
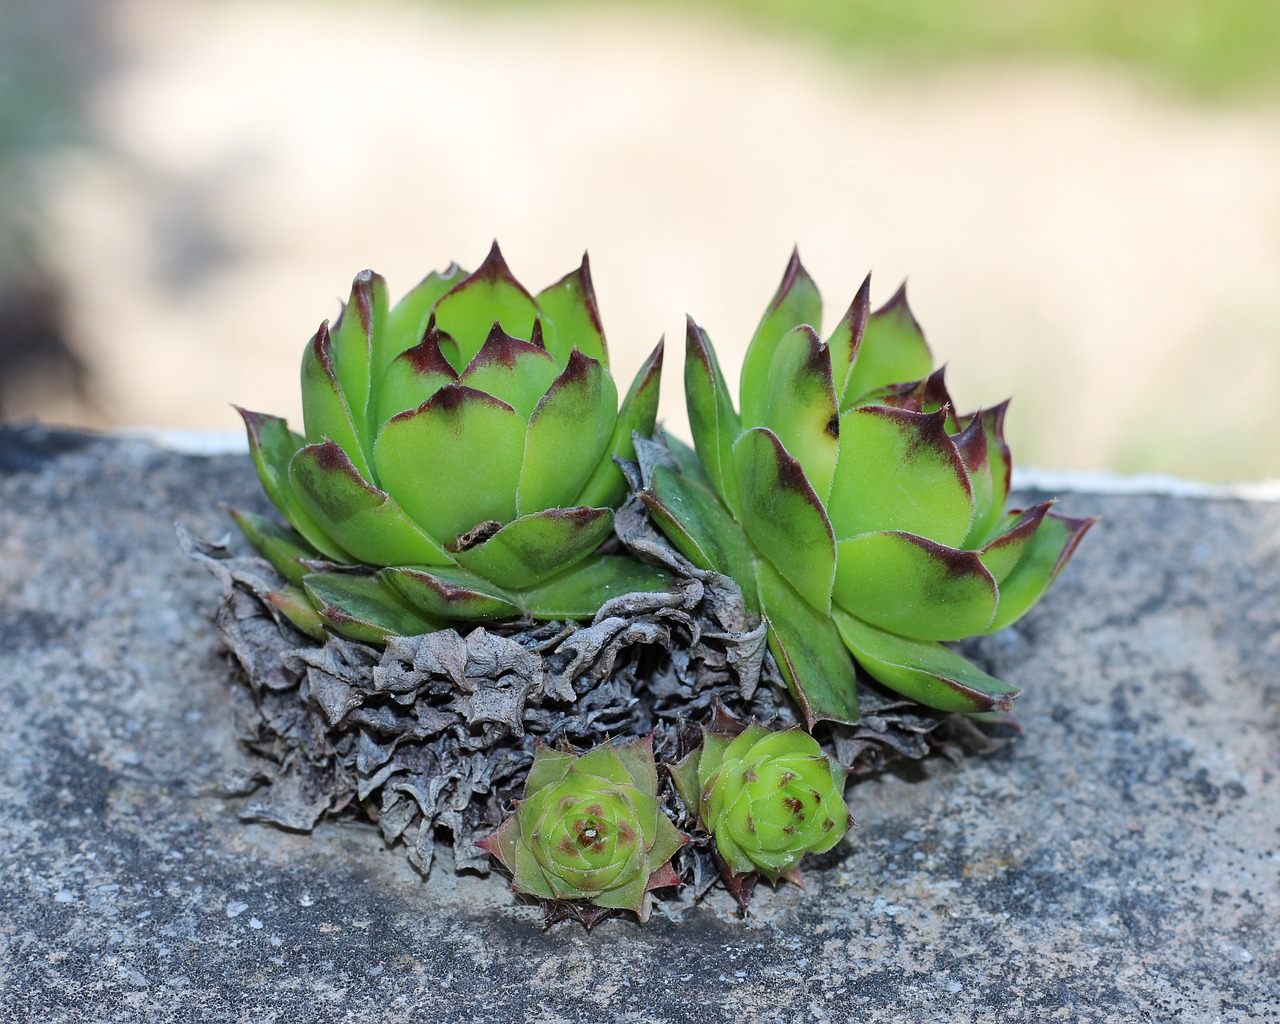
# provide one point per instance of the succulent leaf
(363, 608)
(803, 412)
(783, 516)
(796, 302)
(363, 520)
(971, 444)
(898, 470)
(325, 411)
(490, 295)
(352, 344)
(280, 545)
(292, 602)
(892, 349)
(589, 828)
(512, 371)
(454, 461)
(574, 318)
(1049, 549)
(809, 652)
(923, 670)
(408, 319)
(451, 593)
(568, 435)
(712, 418)
(413, 376)
(532, 548)
(607, 486)
(1001, 554)
(913, 586)
(847, 337)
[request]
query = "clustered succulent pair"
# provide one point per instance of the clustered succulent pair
(458, 467)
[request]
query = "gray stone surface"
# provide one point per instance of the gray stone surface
(1121, 862)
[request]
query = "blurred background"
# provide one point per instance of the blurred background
(1085, 194)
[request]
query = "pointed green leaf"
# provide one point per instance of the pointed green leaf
(998, 452)
(847, 336)
(971, 445)
(1048, 551)
(571, 319)
(796, 302)
(783, 517)
(569, 433)
(690, 465)
(808, 650)
(351, 346)
(292, 602)
(914, 587)
(515, 371)
(892, 350)
(283, 547)
(898, 470)
(454, 462)
(412, 377)
(801, 408)
(407, 321)
(325, 411)
(922, 670)
(451, 593)
(701, 528)
(579, 592)
(363, 608)
(607, 487)
(490, 295)
(535, 547)
(366, 521)
(712, 419)
(272, 445)
(1006, 550)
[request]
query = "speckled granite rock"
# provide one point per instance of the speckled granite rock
(1121, 862)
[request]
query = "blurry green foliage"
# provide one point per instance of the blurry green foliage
(1214, 49)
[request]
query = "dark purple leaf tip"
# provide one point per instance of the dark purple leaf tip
(959, 562)
(971, 443)
(426, 358)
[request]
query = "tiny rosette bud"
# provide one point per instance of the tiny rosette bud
(767, 797)
(590, 828)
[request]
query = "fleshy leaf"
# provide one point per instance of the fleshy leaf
(801, 409)
(292, 602)
(701, 528)
(407, 321)
(898, 470)
(998, 452)
(607, 487)
(515, 371)
(571, 317)
(892, 350)
(923, 670)
(914, 587)
(1006, 550)
(783, 517)
(569, 433)
(971, 445)
(325, 411)
(367, 522)
(712, 419)
(847, 336)
(351, 345)
(490, 295)
(808, 651)
(363, 608)
(1049, 550)
(454, 461)
(272, 445)
(579, 592)
(451, 593)
(535, 547)
(413, 376)
(280, 545)
(796, 302)
(687, 459)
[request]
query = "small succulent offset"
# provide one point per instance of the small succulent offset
(768, 798)
(590, 828)
(457, 464)
(856, 510)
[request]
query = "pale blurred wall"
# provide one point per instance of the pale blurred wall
(1108, 256)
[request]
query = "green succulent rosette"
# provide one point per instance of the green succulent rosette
(457, 461)
(590, 828)
(768, 798)
(857, 511)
